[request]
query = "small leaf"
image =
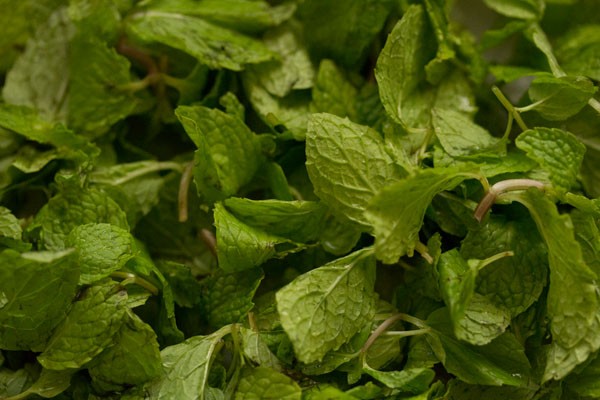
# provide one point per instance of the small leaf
(557, 99)
(265, 383)
(323, 308)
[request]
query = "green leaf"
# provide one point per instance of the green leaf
(396, 224)
(241, 246)
(49, 385)
(88, 329)
(578, 51)
(228, 296)
(558, 152)
(588, 237)
(458, 390)
(560, 98)
(293, 70)
(211, 44)
(243, 15)
(10, 229)
(96, 100)
(36, 290)
(501, 362)
(516, 282)
(228, 153)
(265, 383)
(299, 220)
(407, 49)
(347, 164)
(38, 79)
(71, 208)
(134, 358)
(28, 123)
(522, 9)
(323, 308)
(186, 367)
(333, 93)
(461, 137)
(331, 27)
(574, 319)
(415, 380)
(256, 349)
(101, 249)
(585, 382)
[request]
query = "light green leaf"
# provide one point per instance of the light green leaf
(516, 282)
(9, 225)
(586, 382)
(538, 37)
(243, 15)
(88, 329)
(458, 390)
(293, 70)
(522, 9)
(560, 98)
(408, 48)
(415, 380)
(187, 291)
(558, 152)
(461, 137)
(494, 37)
(228, 153)
(331, 27)
(186, 367)
(39, 78)
(257, 350)
(333, 93)
(211, 44)
(134, 357)
(288, 114)
(227, 297)
(437, 68)
(101, 249)
(95, 100)
(49, 385)
(26, 122)
(579, 51)
(588, 237)
(501, 362)
(71, 208)
(347, 164)
(323, 308)
(36, 290)
(574, 319)
(397, 212)
(299, 220)
(265, 383)
(241, 246)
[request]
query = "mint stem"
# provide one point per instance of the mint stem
(184, 187)
(501, 187)
(388, 323)
(509, 107)
(128, 278)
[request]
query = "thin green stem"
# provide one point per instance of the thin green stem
(424, 252)
(595, 104)
(184, 187)
(160, 166)
(129, 278)
(501, 187)
(401, 334)
(385, 325)
(509, 107)
(484, 263)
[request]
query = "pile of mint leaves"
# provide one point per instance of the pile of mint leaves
(304, 199)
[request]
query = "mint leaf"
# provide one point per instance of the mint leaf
(323, 295)
(49, 384)
(263, 383)
(240, 246)
(101, 249)
(256, 349)
(228, 152)
(88, 329)
(558, 152)
(347, 164)
(186, 367)
(560, 98)
(522, 9)
(37, 79)
(10, 230)
(574, 328)
(299, 221)
(211, 44)
(415, 380)
(332, 27)
(396, 224)
(333, 93)
(515, 282)
(134, 357)
(501, 362)
(578, 51)
(36, 290)
(227, 297)
(72, 208)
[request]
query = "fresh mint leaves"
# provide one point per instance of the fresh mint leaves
(300, 199)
